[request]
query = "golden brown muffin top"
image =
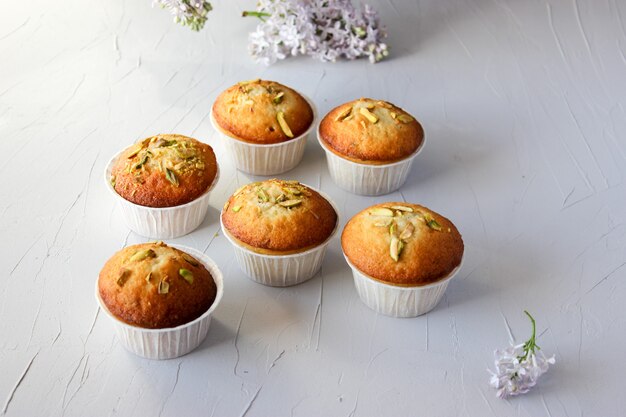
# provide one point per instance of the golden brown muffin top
(402, 244)
(262, 112)
(371, 131)
(164, 171)
(278, 217)
(155, 286)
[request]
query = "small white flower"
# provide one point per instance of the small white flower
(519, 367)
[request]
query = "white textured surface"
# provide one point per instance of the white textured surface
(523, 103)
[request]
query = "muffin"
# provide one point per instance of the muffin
(370, 145)
(164, 170)
(162, 184)
(155, 286)
(262, 112)
(279, 229)
(402, 256)
(263, 125)
(160, 299)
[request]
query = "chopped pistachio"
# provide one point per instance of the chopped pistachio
(405, 118)
(280, 116)
(403, 208)
(431, 222)
(161, 143)
(292, 182)
(124, 275)
(263, 195)
(186, 274)
(256, 80)
(143, 160)
(164, 287)
(294, 191)
(368, 115)
(171, 177)
(395, 248)
(278, 98)
(381, 211)
(407, 232)
(112, 180)
(383, 223)
(392, 229)
(281, 197)
(393, 115)
(135, 151)
(434, 225)
(343, 114)
(290, 203)
(142, 254)
(190, 259)
(236, 209)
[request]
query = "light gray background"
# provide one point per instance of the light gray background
(523, 105)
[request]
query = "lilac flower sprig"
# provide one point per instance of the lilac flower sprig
(192, 13)
(323, 29)
(519, 367)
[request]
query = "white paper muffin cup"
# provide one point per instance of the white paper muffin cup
(366, 179)
(396, 301)
(271, 159)
(170, 342)
(281, 270)
(161, 222)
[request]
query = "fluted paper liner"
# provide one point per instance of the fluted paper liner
(397, 301)
(366, 179)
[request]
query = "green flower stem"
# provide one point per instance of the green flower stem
(530, 346)
(260, 15)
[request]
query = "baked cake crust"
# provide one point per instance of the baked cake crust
(402, 244)
(164, 171)
(371, 132)
(155, 286)
(278, 217)
(262, 112)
